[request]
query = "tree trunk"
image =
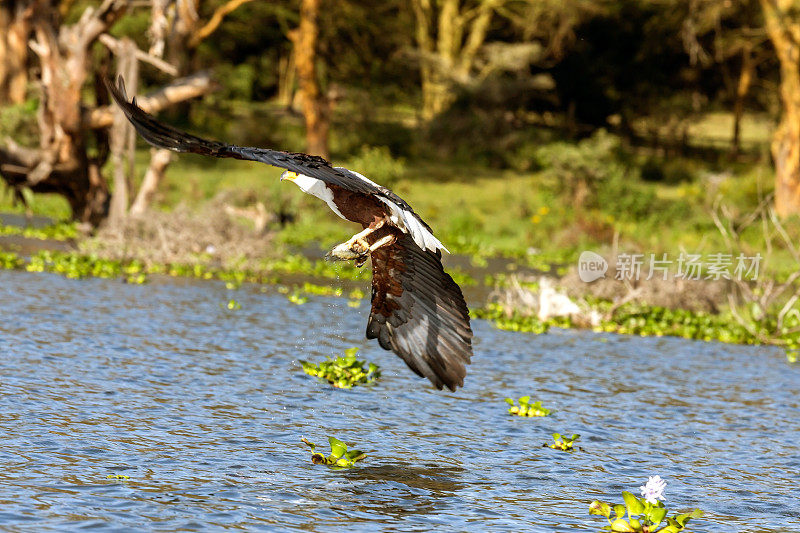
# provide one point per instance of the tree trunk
(448, 58)
(286, 78)
(742, 88)
(159, 161)
(784, 31)
(315, 104)
(62, 164)
(15, 29)
(122, 135)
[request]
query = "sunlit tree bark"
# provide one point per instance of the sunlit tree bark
(315, 103)
(15, 29)
(782, 19)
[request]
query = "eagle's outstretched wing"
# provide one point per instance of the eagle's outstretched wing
(419, 313)
(162, 135)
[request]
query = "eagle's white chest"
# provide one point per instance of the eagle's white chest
(401, 218)
(317, 188)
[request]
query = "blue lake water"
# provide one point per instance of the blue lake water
(204, 409)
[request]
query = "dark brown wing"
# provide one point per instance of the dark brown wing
(162, 135)
(419, 313)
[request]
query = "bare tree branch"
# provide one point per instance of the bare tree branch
(115, 46)
(215, 20)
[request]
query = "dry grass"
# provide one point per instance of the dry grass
(209, 236)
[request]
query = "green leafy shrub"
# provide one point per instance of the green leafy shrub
(671, 171)
(377, 164)
(340, 456)
(526, 408)
(645, 514)
(592, 174)
(344, 372)
(19, 122)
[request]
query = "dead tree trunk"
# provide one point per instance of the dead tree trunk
(159, 161)
(64, 56)
(62, 163)
(15, 29)
(122, 135)
(315, 104)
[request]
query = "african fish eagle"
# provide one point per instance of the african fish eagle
(418, 311)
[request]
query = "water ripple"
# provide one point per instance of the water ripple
(203, 409)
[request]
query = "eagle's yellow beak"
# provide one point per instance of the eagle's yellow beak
(288, 175)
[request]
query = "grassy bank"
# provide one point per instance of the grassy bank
(486, 212)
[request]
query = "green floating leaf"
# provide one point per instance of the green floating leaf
(338, 448)
(657, 515)
(634, 504)
(619, 510)
(352, 454)
(600, 508)
(620, 525)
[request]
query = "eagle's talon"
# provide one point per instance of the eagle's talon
(347, 251)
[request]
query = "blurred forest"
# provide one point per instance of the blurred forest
(569, 86)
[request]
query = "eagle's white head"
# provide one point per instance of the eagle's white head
(314, 187)
(306, 183)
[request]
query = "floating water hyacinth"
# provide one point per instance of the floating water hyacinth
(340, 456)
(645, 514)
(297, 298)
(526, 408)
(343, 372)
(232, 305)
(564, 443)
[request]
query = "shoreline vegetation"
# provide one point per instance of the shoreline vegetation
(510, 294)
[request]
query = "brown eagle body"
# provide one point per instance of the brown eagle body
(418, 311)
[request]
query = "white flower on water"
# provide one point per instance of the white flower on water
(654, 489)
